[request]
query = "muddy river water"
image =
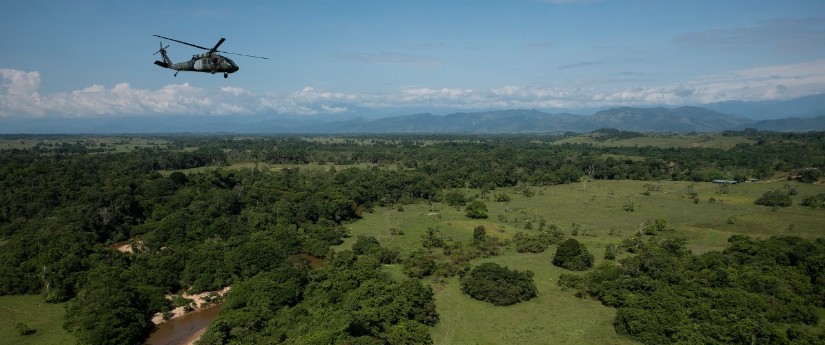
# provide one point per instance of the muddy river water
(187, 328)
(184, 329)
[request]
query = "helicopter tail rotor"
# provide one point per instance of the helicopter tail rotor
(166, 61)
(162, 49)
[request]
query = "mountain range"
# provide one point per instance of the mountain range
(802, 114)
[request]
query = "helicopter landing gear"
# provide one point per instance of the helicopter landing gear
(225, 75)
(176, 73)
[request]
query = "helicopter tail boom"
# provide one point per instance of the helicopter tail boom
(166, 63)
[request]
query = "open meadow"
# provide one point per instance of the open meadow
(603, 212)
(99, 143)
(710, 140)
(46, 319)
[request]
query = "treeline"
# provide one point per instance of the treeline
(753, 292)
(348, 301)
(195, 232)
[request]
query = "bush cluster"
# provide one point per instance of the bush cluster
(498, 285)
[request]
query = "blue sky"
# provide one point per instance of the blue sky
(86, 58)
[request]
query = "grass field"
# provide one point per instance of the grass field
(713, 140)
(46, 319)
(108, 143)
(598, 209)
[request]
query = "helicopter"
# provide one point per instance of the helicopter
(209, 62)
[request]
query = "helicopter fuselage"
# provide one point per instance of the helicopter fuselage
(209, 62)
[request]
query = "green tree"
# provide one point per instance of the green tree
(776, 197)
(366, 245)
(432, 238)
(754, 291)
(814, 201)
(479, 235)
(455, 198)
(573, 255)
(23, 329)
(476, 210)
(498, 285)
(611, 251)
(409, 333)
(108, 310)
(531, 244)
(418, 264)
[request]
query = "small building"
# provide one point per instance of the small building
(724, 181)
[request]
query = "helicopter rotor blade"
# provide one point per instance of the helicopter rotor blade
(214, 49)
(182, 42)
(258, 57)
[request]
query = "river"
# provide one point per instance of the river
(187, 328)
(184, 329)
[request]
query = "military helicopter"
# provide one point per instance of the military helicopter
(209, 62)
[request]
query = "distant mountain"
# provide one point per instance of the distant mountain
(793, 124)
(501, 121)
(808, 106)
(684, 119)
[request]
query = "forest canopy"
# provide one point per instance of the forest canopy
(205, 212)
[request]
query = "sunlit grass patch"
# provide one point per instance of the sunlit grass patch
(45, 319)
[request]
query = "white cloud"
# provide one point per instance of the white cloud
(18, 92)
(20, 95)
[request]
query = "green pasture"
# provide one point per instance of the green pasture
(46, 319)
(108, 143)
(598, 208)
(556, 316)
(711, 140)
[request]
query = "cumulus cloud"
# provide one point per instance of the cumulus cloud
(20, 95)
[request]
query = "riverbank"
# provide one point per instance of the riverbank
(185, 324)
(198, 302)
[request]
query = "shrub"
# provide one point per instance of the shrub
(418, 264)
(498, 285)
(455, 198)
(23, 329)
(774, 198)
(531, 244)
(611, 251)
(366, 245)
(573, 255)
(814, 201)
(476, 210)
